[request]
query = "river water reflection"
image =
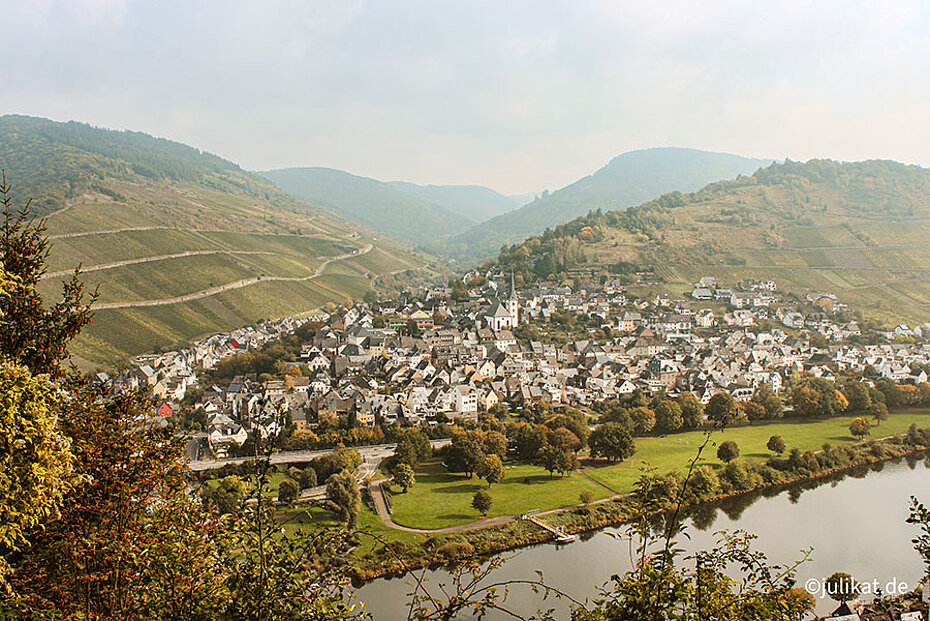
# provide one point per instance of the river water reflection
(855, 523)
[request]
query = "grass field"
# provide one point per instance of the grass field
(673, 452)
(441, 499)
(308, 518)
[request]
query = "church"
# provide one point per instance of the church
(504, 314)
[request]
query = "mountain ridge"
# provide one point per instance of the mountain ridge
(626, 180)
(410, 211)
(182, 244)
(858, 230)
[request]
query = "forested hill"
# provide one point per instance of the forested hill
(53, 161)
(414, 212)
(474, 202)
(182, 243)
(629, 179)
(858, 230)
(369, 202)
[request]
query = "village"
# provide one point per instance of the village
(424, 358)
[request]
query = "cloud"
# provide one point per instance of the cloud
(518, 95)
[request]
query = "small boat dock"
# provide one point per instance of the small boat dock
(560, 536)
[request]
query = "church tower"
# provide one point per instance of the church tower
(513, 304)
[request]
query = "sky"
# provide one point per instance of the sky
(516, 95)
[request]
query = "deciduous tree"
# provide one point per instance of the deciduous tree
(668, 416)
(35, 457)
(721, 407)
(342, 491)
(492, 470)
(482, 501)
(404, 476)
(776, 444)
(692, 411)
(728, 451)
(859, 427)
(612, 441)
(288, 491)
(878, 412)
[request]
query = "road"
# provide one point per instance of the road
(164, 257)
(130, 229)
(371, 455)
(232, 285)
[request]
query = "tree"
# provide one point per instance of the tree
(307, 478)
(404, 476)
(288, 491)
(527, 440)
(841, 587)
(798, 603)
(482, 501)
(644, 420)
(342, 491)
(753, 410)
(348, 459)
(704, 482)
(767, 398)
(840, 403)
(776, 444)
(572, 419)
(34, 335)
(879, 412)
(492, 470)
(857, 395)
(495, 443)
(923, 390)
(35, 458)
(806, 402)
(464, 455)
(728, 451)
(229, 494)
(129, 533)
(563, 439)
(692, 411)
(586, 497)
(722, 407)
(554, 459)
(894, 396)
(413, 447)
(499, 411)
(859, 427)
(613, 441)
(668, 416)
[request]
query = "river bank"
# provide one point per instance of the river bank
(855, 521)
(397, 558)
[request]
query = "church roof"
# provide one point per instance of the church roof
(498, 311)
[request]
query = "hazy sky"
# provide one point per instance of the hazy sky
(519, 96)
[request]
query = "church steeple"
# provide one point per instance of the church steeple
(513, 304)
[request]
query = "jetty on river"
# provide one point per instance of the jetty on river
(560, 535)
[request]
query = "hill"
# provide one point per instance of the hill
(859, 230)
(473, 202)
(413, 212)
(627, 180)
(181, 243)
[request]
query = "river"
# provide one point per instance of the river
(854, 523)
